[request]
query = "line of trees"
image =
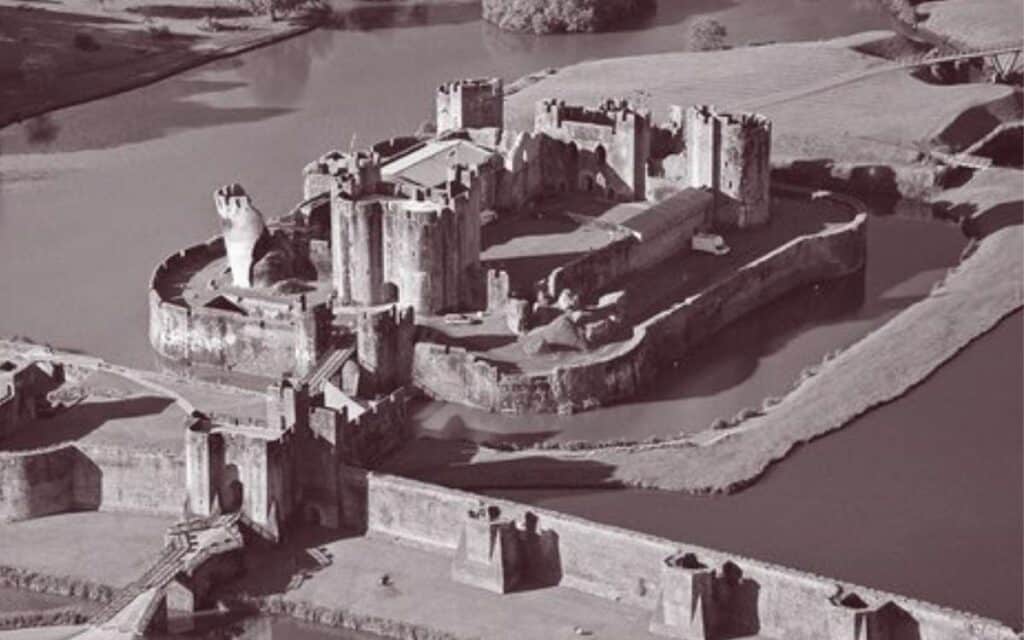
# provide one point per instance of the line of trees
(562, 16)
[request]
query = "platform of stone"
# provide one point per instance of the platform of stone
(421, 593)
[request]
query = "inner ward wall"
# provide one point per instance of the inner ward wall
(456, 375)
(626, 566)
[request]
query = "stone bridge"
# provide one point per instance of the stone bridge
(182, 573)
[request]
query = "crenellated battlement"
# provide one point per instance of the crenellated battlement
(470, 104)
(730, 153)
(752, 123)
(611, 112)
(491, 86)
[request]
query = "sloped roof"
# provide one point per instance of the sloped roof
(428, 165)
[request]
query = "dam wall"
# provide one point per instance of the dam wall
(71, 476)
(635, 569)
(457, 375)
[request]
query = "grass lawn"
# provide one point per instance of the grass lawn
(108, 548)
(826, 99)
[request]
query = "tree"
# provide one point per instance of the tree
(269, 7)
(707, 34)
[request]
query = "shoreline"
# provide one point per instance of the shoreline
(163, 73)
(128, 75)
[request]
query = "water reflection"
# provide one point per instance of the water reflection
(177, 104)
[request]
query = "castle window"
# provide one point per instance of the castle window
(601, 155)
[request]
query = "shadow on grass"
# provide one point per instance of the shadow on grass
(81, 420)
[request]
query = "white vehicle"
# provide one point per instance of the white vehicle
(462, 318)
(709, 243)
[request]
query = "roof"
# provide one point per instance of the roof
(648, 220)
(428, 165)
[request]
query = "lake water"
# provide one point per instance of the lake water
(127, 180)
(921, 496)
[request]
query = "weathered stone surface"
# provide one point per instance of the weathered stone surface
(731, 155)
(517, 316)
(243, 227)
(739, 593)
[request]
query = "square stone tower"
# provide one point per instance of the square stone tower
(470, 104)
(731, 155)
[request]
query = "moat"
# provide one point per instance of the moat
(288, 93)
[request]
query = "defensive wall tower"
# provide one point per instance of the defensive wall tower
(393, 242)
(356, 259)
(470, 104)
(384, 346)
(613, 141)
(731, 154)
(247, 468)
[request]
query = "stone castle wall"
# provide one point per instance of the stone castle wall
(456, 375)
(72, 476)
(629, 567)
(611, 145)
(263, 346)
(598, 269)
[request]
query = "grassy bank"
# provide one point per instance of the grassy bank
(828, 101)
(57, 53)
(884, 365)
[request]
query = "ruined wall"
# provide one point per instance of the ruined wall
(455, 375)
(595, 270)
(611, 144)
(259, 345)
(36, 483)
(627, 566)
(72, 476)
(660, 233)
(458, 376)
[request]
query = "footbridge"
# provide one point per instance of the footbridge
(142, 605)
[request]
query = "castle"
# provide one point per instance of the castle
(401, 223)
